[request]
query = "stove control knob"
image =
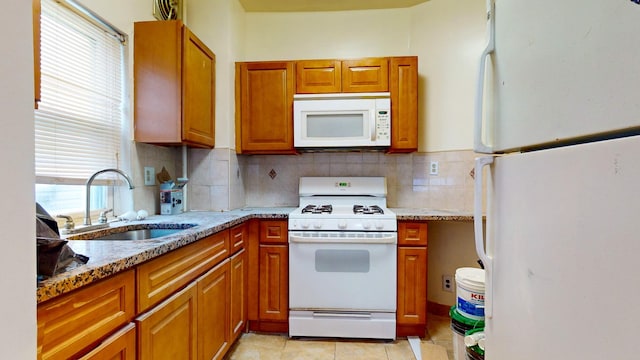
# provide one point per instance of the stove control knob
(317, 225)
(294, 224)
(379, 225)
(342, 225)
(305, 225)
(366, 225)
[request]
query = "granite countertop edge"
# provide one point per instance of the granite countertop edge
(109, 257)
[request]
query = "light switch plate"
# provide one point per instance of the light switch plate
(149, 176)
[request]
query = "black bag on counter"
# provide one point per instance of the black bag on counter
(53, 254)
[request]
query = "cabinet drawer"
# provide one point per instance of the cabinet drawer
(273, 232)
(365, 75)
(318, 76)
(412, 233)
(238, 236)
(163, 276)
(76, 321)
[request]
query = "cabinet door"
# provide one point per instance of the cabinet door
(404, 104)
(274, 273)
(365, 75)
(213, 312)
(238, 294)
(412, 286)
(174, 85)
(119, 346)
(264, 107)
(169, 330)
(157, 79)
(36, 8)
(318, 76)
(73, 322)
(198, 96)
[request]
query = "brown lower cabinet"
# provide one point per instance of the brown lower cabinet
(191, 304)
(76, 323)
(268, 276)
(411, 316)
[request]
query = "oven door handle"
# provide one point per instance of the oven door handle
(342, 315)
(391, 239)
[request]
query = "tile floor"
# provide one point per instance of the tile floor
(436, 345)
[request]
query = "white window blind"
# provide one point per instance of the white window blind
(78, 123)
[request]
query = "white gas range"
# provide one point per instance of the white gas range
(342, 259)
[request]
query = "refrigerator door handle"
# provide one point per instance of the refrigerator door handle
(481, 162)
(479, 144)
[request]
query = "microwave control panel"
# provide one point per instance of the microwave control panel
(383, 126)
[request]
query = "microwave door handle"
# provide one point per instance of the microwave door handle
(373, 127)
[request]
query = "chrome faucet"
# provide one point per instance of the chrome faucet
(87, 212)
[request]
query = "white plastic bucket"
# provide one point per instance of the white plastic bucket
(470, 293)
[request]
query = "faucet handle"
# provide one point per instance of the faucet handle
(102, 219)
(69, 224)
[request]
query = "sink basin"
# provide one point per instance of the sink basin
(141, 234)
(133, 232)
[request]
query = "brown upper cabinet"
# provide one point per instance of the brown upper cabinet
(36, 50)
(265, 90)
(264, 107)
(403, 86)
(349, 76)
(174, 85)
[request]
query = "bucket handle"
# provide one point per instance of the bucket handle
(481, 162)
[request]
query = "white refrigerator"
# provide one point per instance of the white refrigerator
(558, 117)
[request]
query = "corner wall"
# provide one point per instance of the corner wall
(18, 311)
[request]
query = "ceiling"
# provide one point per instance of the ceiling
(324, 5)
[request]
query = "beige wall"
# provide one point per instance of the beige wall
(342, 34)
(450, 246)
(219, 23)
(447, 36)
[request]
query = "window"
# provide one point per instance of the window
(79, 120)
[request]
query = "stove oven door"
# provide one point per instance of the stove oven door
(342, 284)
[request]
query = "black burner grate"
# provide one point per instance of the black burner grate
(317, 209)
(367, 210)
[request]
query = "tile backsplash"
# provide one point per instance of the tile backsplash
(147, 197)
(273, 180)
(219, 179)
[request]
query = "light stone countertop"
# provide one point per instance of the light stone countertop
(431, 214)
(108, 257)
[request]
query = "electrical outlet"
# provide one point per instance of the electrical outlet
(447, 283)
(149, 175)
(434, 168)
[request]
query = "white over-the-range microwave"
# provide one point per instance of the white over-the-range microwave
(346, 120)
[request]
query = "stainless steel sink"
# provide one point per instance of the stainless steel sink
(133, 232)
(141, 234)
